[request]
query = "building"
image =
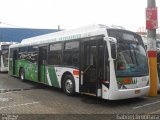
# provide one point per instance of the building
(17, 34)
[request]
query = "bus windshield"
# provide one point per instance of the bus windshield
(131, 60)
(131, 56)
(158, 44)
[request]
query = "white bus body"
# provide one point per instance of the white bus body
(4, 50)
(88, 60)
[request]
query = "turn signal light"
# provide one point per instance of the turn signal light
(75, 72)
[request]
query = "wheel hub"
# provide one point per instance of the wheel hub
(69, 86)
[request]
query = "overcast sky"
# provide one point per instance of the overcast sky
(74, 13)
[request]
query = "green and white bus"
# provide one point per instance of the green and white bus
(97, 60)
(4, 50)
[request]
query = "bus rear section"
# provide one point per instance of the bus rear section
(4, 58)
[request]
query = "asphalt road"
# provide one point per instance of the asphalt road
(29, 100)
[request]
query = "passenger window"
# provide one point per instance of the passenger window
(55, 54)
(71, 54)
(32, 54)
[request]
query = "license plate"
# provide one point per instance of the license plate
(137, 91)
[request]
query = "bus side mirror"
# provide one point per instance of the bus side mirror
(113, 44)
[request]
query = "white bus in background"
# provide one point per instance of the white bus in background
(4, 50)
(144, 38)
(158, 61)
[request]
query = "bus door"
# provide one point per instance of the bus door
(15, 56)
(42, 58)
(91, 67)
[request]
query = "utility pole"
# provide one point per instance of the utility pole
(151, 26)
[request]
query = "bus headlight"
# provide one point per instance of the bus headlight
(121, 86)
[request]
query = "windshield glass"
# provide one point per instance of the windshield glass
(131, 60)
(131, 56)
(158, 45)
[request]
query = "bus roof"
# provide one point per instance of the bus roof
(88, 31)
(8, 43)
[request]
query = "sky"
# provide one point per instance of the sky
(69, 14)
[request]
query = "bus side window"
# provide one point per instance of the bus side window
(22, 54)
(71, 54)
(55, 54)
(32, 54)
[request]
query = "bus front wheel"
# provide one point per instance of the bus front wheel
(69, 85)
(22, 74)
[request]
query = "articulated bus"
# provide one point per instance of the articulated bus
(106, 62)
(4, 50)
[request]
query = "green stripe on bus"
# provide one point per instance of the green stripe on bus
(53, 76)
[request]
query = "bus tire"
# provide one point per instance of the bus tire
(69, 85)
(22, 74)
